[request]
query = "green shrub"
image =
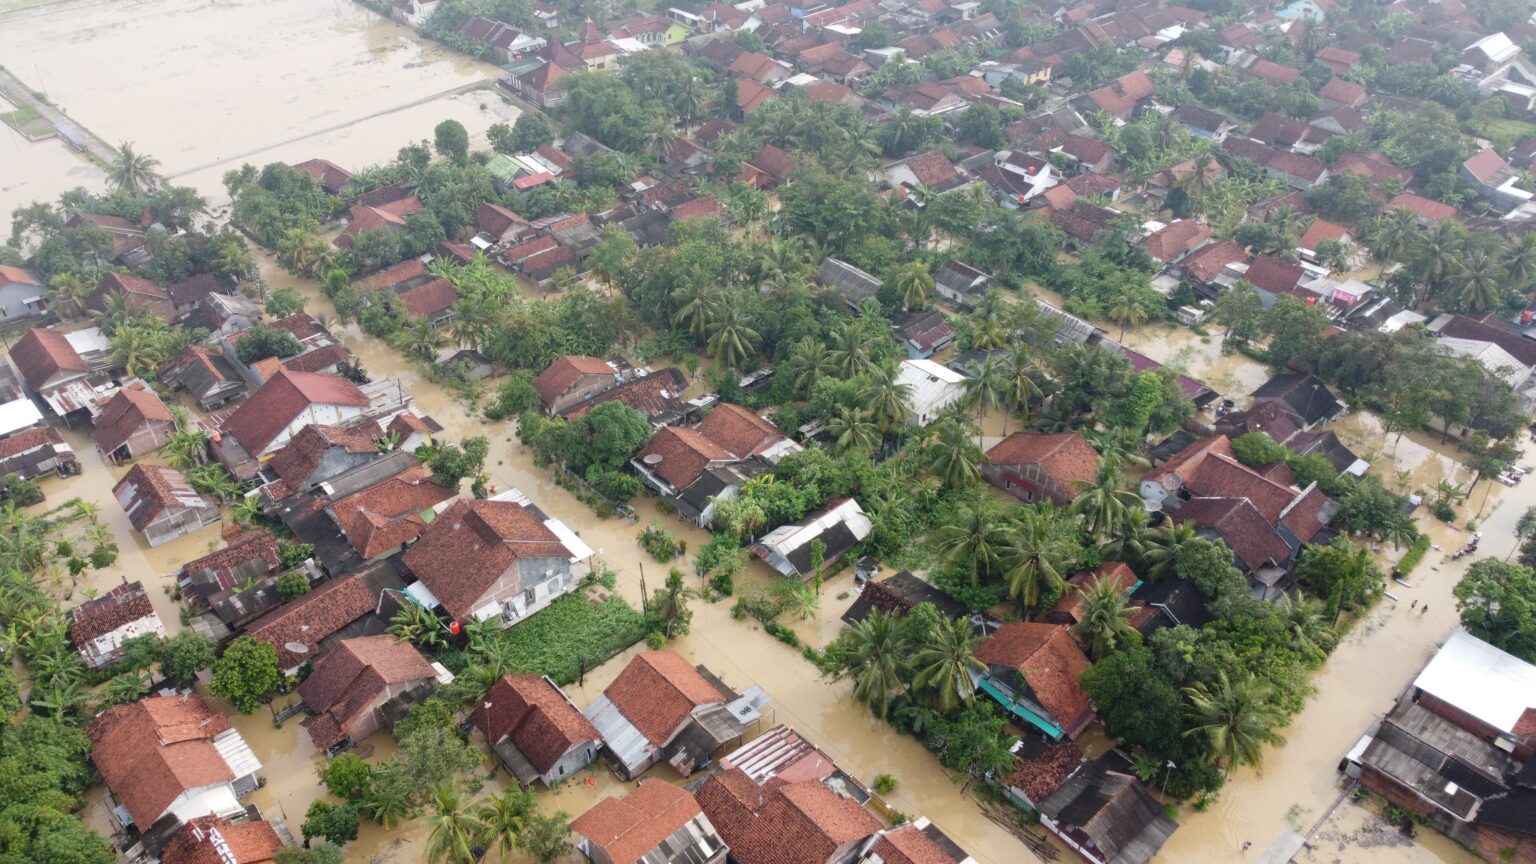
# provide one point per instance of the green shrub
(1415, 554)
(292, 584)
(555, 641)
(655, 640)
(885, 784)
(723, 583)
(659, 542)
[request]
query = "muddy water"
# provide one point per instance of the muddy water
(217, 84)
(39, 171)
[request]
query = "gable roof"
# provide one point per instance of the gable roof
(329, 175)
(387, 515)
(1272, 274)
(154, 489)
(17, 276)
(213, 840)
(189, 291)
(1277, 74)
(299, 458)
(658, 691)
(313, 617)
(1484, 164)
(775, 162)
(1207, 262)
(143, 294)
(1322, 230)
(1050, 663)
(654, 395)
(471, 544)
(1343, 91)
(281, 400)
(1066, 457)
(1121, 95)
(565, 371)
(1420, 206)
(152, 750)
(536, 716)
(101, 615)
(755, 820)
(1251, 537)
(128, 411)
(1175, 239)
(40, 354)
(1463, 327)
(932, 169)
(627, 828)
(348, 679)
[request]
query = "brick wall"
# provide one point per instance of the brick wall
(1492, 844)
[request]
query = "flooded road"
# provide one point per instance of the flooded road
(214, 85)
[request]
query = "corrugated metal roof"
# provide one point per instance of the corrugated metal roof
(1473, 676)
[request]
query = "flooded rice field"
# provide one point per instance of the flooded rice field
(213, 85)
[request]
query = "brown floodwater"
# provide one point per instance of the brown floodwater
(204, 86)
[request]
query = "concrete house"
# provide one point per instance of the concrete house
(209, 377)
(22, 294)
(573, 379)
(250, 557)
(960, 283)
(536, 731)
(655, 823)
(422, 294)
(302, 629)
(493, 560)
(167, 760)
(933, 387)
(133, 423)
(161, 504)
(693, 468)
(755, 820)
(661, 708)
(362, 687)
(388, 513)
(99, 626)
(1034, 466)
(287, 403)
(316, 454)
(1032, 672)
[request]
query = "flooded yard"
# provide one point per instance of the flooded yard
(214, 85)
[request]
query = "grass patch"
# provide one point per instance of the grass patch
(26, 120)
(555, 641)
(1506, 132)
(1415, 554)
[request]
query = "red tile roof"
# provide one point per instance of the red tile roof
(553, 382)
(1050, 663)
(151, 751)
(932, 169)
(386, 516)
(1038, 775)
(143, 294)
(1066, 457)
(909, 845)
(1277, 74)
(754, 821)
(17, 276)
(1420, 206)
(679, 455)
(1321, 230)
(350, 679)
(1224, 477)
(1120, 96)
(1207, 263)
(131, 409)
(627, 828)
(312, 617)
(496, 220)
(101, 615)
(330, 175)
(653, 395)
(189, 291)
(472, 544)
(40, 354)
(1275, 275)
(532, 711)
(298, 458)
(1087, 150)
(212, 840)
(1176, 239)
(1486, 163)
(284, 398)
(775, 162)
(1342, 91)
(658, 691)
(1241, 526)
(430, 300)
(1374, 166)
(702, 207)
(1296, 165)
(390, 215)
(1117, 573)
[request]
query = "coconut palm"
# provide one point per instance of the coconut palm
(688, 100)
(945, 661)
(1312, 38)
(387, 803)
(1309, 632)
(974, 538)
(903, 133)
(456, 829)
(875, 659)
(1103, 502)
(1131, 538)
(1023, 369)
(1236, 718)
(1032, 559)
(1394, 235)
(803, 600)
(809, 359)
(305, 253)
(1287, 225)
(1203, 178)
(852, 351)
(1520, 263)
(852, 429)
(952, 456)
(116, 312)
(697, 305)
(1162, 555)
(1478, 279)
(986, 388)
(1436, 252)
(504, 816)
(421, 341)
(1104, 617)
(913, 283)
(1126, 311)
(888, 398)
(732, 338)
(133, 172)
(67, 294)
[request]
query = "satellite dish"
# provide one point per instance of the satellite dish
(652, 459)
(296, 647)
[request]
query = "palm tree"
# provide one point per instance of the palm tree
(1312, 38)
(986, 389)
(1520, 263)
(888, 398)
(67, 295)
(417, 625)
(699, 305)
(689, 99)
(1032, 559)
(1203, 178)
(421, 341)
(1130, 540)
(803, 600)
(1287, 225)
(1479, 279)
(1448, 493)
(1309, 632)
(185, 449)
(852, 351)
(952, 456)
(456, 829)
(1126, 311)
(1022, 387)
(808, 360)
(945, 661)
(903, 132)
(732, 338)
(852, 429)
(1162, 554)
(139, 350)
(913, 283)
(305, 253)
(1394, 235)
(1102, 503)
(1436, 253)
(1237, 720)
(1104, 617)
(504, 816)
(133, 172)
(116, 312)
(387, 803)
(974, 538)
(875, 660)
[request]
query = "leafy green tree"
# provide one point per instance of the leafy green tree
(183, 656)
(262, 341)
(975, 741)
(1343, 571)
(320, 853)
(347, 777)
(546, 838)
(451, 139)
(1258, 449)
(244, 673)
(1497, 602)
(451, 463)
(617, 432)
(283, 302)
(1241, 310)
(337, 823)
(292, 585)
(1135, 700)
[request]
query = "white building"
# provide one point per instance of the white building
(933, 387)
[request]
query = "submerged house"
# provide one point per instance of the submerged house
(655, 823)
(536, 731)
(133, 423)
(694, 468)
(1032, 672)
(661, 708)
(790, 549)
(99, 626)
(1036, 466)
(162, 504)
(1098, 809)
(365, 685)
(237, 583)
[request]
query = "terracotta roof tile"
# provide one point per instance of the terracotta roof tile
(554, 381)
(129, 410)
(1116, 572)
(657, 691)
(1040, 774)
(152, 489)
(909, 845)
(754, 821)
(1420, 206)
(532, 711)
(283, 399)
(329, 175)
(1050, 663)
(151, 751)
(347, 681)
(1176, 239)
(143, 294)
(386, 516)
(41, 354)
(625, 829)
(932, 169)
(471, 544)
(1066, 457)
(1272, 274)
(312, 617)
(1241, 526)
(1277, 74)
(212, 840)
(297, 459)
(17, 276)
(189, 291)
(101, 615)
(1321, 230)
(653, 395)
(702, 207)
(1342, 91)
(1207, 262)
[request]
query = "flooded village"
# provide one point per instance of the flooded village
(914, 431)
